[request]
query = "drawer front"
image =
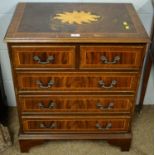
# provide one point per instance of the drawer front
(43, 56)
(72, 81)
(81, 125)
(58, 104)
(114, 57)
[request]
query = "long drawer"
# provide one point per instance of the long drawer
(75, 104)
(111, 57)
(43, 56)
(76, 125)
(77, 81)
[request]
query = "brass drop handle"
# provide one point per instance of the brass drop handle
(105, 60)
(41, 85)
(49, 126)
(101, 107)
(48, 60)
(107, 127)
(51, 105)
(102, 84)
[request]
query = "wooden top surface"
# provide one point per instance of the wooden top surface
(76, 22)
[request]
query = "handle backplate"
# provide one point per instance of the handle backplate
(49, 126)
(104, 60)
(107, 127)
(48, 60)
(102, 84)
(102, 107)
(41, 85)
(51, 105)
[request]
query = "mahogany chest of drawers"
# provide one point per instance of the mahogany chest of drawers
(76, 70)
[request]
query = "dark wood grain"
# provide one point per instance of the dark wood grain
(77, 81)
(109, 28)
(69, 125)
(63, 56)
(80, 104)
(130, 57)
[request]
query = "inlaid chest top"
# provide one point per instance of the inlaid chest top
(76, 22)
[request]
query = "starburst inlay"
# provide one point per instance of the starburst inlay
(77, 17)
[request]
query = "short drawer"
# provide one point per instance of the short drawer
(76, 125)
(75, 104)
(113, 57)
(43, 57)
(77, 81)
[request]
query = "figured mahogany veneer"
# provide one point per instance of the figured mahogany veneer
(111, 57)
(41, 56)
(76, 80)
(76, 125)
(79, 104)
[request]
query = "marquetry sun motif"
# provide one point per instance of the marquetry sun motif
(77, 17)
